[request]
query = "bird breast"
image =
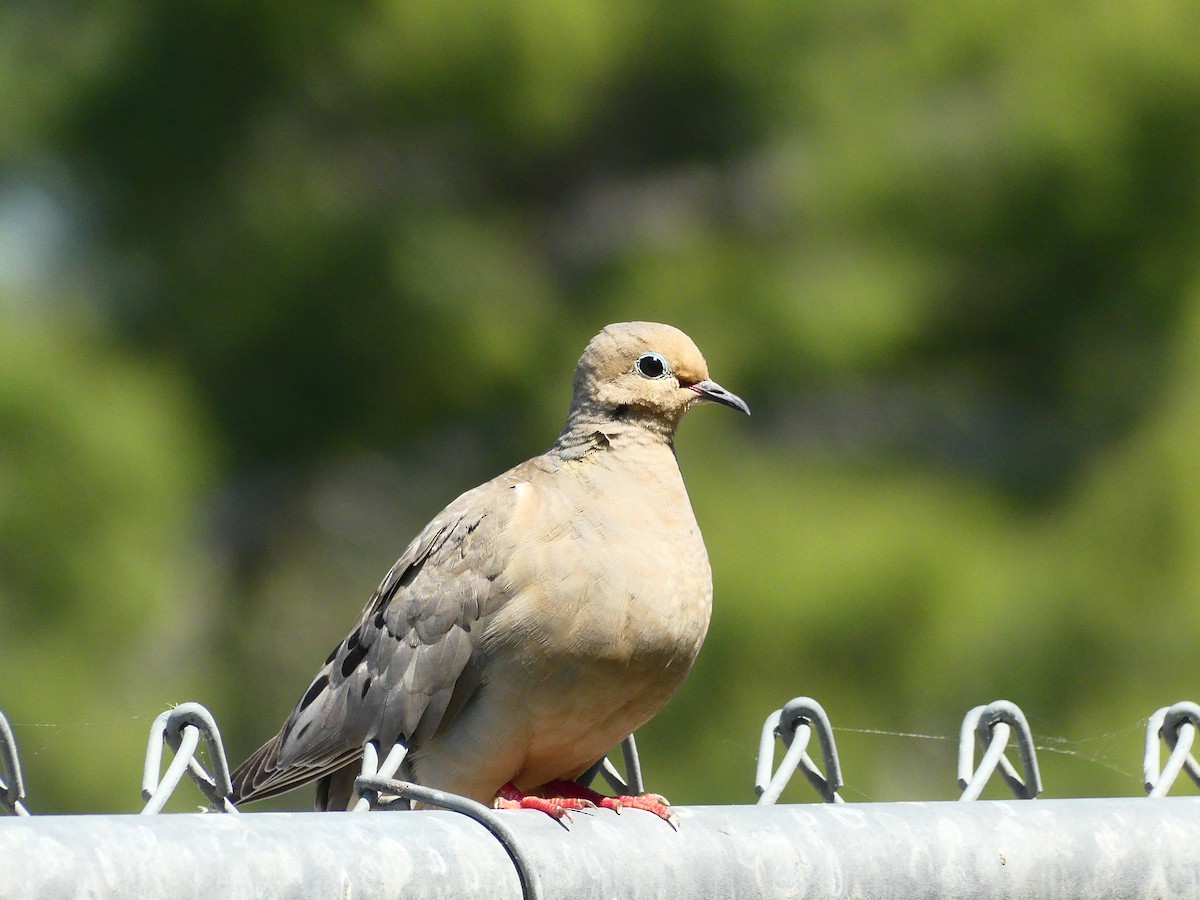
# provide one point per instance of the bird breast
(607, 587)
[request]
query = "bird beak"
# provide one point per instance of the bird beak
(710, 390)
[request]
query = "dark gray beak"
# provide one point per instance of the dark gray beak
(710, 390)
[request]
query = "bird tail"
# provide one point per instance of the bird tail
(262, 776)
(252, 780)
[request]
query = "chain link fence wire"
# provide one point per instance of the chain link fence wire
(1176, 727)
(991, 728)
(794, 724)
(181, 729)
(12, 785)
(992, 725)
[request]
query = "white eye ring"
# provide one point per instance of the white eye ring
(651, 365)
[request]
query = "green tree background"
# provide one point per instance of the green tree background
(277, 281)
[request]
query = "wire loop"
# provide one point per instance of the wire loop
(992, 725)
(181, 729)
(794, 724)
(1176, 726)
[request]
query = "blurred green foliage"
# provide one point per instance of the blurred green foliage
(278, 281)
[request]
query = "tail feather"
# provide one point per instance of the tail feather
(261, 776)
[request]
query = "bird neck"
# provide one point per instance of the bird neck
(590, 430)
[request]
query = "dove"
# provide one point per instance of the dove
(539, 619)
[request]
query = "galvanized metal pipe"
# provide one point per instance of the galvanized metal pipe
(1030, 849)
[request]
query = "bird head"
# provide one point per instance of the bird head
(645, 372)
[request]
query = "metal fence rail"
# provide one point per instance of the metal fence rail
(1049, 848)
(1129, 848)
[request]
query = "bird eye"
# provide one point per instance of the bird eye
(651, 365)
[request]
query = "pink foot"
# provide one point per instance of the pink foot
(512, 797)
(655, 803)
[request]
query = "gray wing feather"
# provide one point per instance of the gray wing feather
(396, 676)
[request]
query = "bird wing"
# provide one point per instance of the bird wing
(414, 653)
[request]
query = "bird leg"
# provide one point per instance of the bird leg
(655, 803)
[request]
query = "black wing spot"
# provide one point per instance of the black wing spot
(353, 658)
(411, 573)
(353, 641)
(366, 687)
(332, 654)
(314, 691)
(380, 619)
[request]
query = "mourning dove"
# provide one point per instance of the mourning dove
(540, 618)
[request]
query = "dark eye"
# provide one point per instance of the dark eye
(651, 365)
